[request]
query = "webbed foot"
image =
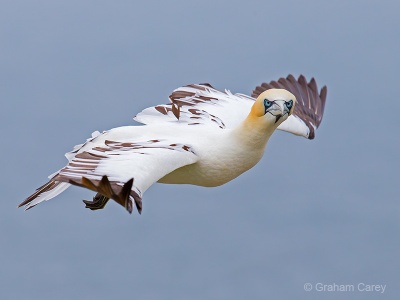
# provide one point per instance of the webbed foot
(99, 202)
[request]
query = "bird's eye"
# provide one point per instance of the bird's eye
(267, 103)
(289, 104)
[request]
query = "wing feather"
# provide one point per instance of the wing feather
(202, 104)
(124, 170)
(309, 108)
(112, 168)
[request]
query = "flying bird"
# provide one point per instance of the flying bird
(203, 137)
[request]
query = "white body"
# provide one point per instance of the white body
(205, 137)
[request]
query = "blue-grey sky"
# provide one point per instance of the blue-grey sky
(322, 211)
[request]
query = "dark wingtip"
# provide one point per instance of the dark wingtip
(312, 102)
(323, 93)
(51, 184)
(139, 205)
(125, 193)
(30, 207)
(129, 206)
(207, 84)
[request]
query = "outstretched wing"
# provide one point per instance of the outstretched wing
(122, 171)
(200, 104)
(309, 108)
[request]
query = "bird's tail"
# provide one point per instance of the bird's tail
(45, 192)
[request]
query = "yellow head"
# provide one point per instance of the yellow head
(273, 106)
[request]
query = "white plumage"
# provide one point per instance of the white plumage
(204, 137)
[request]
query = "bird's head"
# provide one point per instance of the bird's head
(273, 106)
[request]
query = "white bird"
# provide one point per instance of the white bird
(203, 137)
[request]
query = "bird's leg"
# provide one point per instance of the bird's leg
(99, 202)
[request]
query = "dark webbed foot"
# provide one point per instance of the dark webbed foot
(99, 202)
(111, 190)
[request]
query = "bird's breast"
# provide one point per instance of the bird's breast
(221, 160)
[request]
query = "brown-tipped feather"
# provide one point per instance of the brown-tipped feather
(125, 194)
(310, 104)
(176, 111)
(44, 188)
(100, 200)
(81, 172)
(104, 187)
(109, 189)
(185, 98)
(87, 184)
(207, 84)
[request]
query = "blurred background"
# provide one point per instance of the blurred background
(322, 211)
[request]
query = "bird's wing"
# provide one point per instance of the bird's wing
(200, 104)
(118, 170)
(309, 107)
(197, 104)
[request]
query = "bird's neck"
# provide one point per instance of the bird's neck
(254, 132)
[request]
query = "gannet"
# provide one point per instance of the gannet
(203, 137)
